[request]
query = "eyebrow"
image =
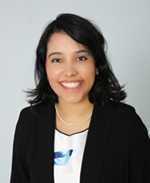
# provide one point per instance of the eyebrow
(60, 53)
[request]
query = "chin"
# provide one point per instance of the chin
(74, 100)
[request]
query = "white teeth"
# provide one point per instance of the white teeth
(71, 84)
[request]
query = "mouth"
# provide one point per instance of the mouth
(71, 85)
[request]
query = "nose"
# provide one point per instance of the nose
(70, 70)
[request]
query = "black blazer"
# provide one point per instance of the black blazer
(117, 149)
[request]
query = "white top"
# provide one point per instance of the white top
(68, 153)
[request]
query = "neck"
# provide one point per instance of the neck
(75, 111)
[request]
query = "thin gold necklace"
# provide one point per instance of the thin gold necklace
(68, 122)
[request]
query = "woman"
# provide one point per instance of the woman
(77, 128)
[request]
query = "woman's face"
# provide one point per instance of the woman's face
(70, 68)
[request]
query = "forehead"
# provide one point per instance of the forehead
(61, 41)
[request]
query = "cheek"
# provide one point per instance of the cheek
(52, 80)
(52, 75)
(89, 72)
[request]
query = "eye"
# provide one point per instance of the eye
(82, 58)
(55, 60)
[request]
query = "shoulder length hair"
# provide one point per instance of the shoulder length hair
(106, 86)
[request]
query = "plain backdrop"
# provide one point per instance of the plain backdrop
(125, 25)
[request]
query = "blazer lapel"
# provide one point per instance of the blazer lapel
(51, 127)
(92, 164)
(44, 160)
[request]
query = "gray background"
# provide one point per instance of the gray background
(125, 25)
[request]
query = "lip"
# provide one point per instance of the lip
(71, 89)
(66, 81)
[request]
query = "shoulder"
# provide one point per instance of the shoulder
(28, 121)
(28, 116)
(34, 111)
(133, 122)
(127, 123)
(118, 110)
(119, 107)
(125, 115)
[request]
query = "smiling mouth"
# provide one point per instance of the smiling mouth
(71, 85)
